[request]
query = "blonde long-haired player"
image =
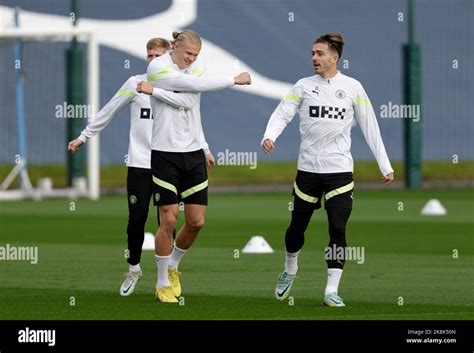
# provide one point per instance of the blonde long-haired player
(177, 159)
(139, 177)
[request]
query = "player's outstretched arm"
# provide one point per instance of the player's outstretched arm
(186, 100)
(119, 101)
(162, 75)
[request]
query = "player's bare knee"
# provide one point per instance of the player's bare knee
(169, 223)
(195, 224)
(168, 219)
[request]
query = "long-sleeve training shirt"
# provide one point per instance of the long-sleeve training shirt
(327, 108)
(141, 124)
(174, 129)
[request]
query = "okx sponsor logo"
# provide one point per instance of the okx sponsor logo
(322, 111)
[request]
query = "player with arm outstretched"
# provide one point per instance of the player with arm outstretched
(139, 178)
(177, 159)
(327, 103)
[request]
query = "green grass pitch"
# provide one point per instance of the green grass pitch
(424, 262)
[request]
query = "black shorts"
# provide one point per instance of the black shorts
(179, 176)
(310, 188)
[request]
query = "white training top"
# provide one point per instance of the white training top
(175, 129)
(326, 108)
(141, 124)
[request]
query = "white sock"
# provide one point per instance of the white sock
(134, 268)
(334, 276)
(291, 262)
(162, 263)
(176, 256)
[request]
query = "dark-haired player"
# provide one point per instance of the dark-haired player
(326, 103)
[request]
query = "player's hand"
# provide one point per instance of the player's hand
(387, 179)
(145, 87)
(74, 145)
(210, 161)
(243, 79)
(268, 146)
